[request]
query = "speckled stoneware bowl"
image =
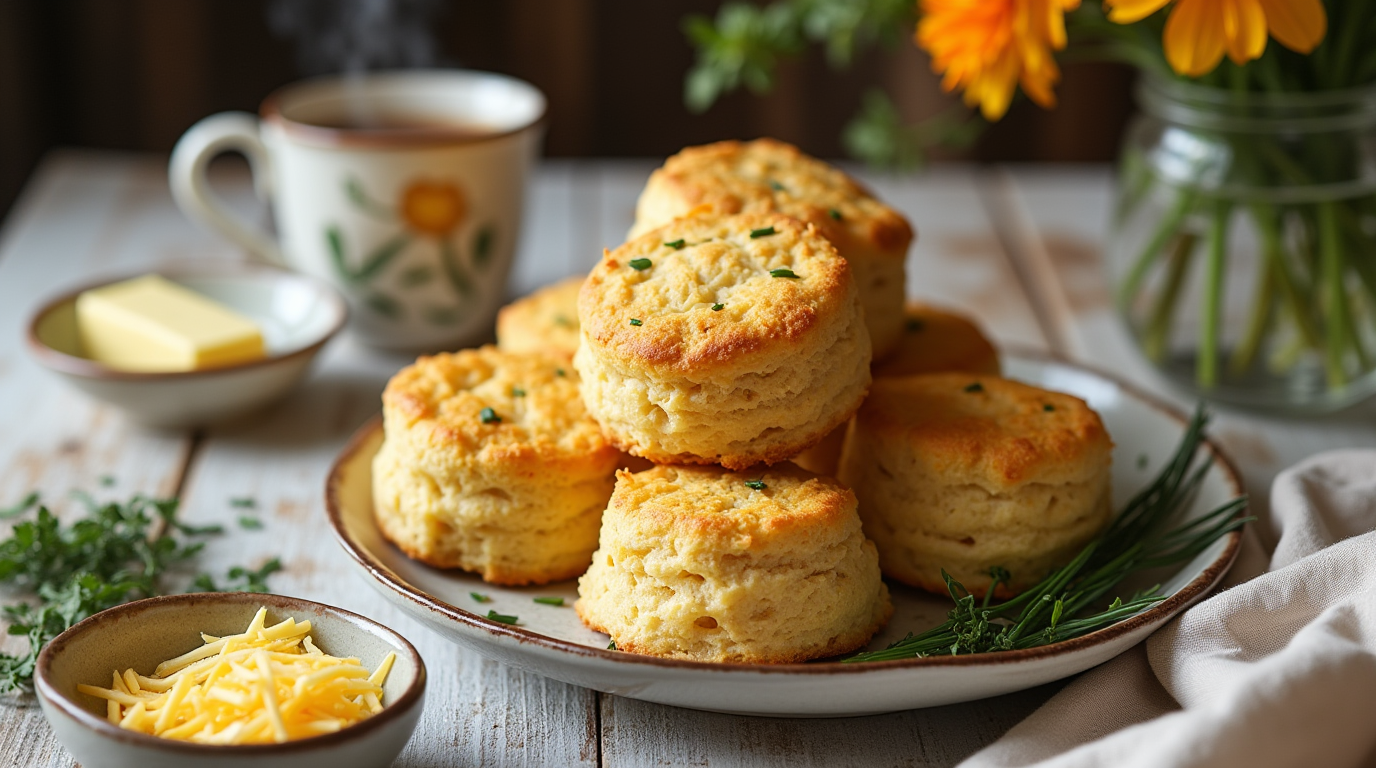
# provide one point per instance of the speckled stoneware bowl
(298, 314)
(143, 633)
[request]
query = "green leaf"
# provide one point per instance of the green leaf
(454, 269)
(250, 523)
(334, 239)
(354, 191)
(879, 136)
(380, 258)
(416, 276)
(483, 242)
(384, 305)
(441, 315)
(20, 507)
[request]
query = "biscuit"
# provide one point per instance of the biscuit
(968, 472)
(491, 464)
(935, 340)
(732, 177)
(729, 341)
(706, 564)
(545, 321)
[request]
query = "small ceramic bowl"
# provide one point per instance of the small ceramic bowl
(297, 314)
(143, 633)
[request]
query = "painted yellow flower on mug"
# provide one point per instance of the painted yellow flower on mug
(1199, 32)
(433, 207)
(988, 47)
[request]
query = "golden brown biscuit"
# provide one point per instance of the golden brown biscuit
(763, 567)
(936, 340)
(729, 341)
(765, 175)
(545, 321)
(491, 464)
(967, 472)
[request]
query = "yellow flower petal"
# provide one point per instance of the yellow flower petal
(1194, 36)
(1129, 11)
(1244, 29)
(1297, 24)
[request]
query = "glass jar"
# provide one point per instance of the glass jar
(1242, 253)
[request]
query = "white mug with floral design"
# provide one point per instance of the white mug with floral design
(403, 189)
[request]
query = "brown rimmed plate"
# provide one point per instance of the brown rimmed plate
(549, 640)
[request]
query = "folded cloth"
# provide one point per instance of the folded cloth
(1278, 669)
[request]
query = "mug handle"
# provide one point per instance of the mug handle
(214, 135)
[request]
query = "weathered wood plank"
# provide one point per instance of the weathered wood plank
(1058, 219)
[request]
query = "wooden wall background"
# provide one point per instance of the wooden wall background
(134, 74)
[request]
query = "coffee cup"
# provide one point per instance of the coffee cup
(402, 189)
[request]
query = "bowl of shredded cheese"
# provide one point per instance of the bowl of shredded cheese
(231, 679)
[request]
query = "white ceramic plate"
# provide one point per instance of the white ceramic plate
(550, 641)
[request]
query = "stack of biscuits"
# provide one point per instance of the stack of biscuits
(799, 429)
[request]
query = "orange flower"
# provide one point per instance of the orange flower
(433, 207)
(1199, 32)
(988, 47)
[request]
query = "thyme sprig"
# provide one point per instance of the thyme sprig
(1144, 536)
(116, 553)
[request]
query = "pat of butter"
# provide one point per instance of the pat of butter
(151, 324)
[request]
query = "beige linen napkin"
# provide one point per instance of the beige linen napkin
(1277, 670)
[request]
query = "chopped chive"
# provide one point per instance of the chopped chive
(564, 321)
(107, 480)
(915, 324)
(250, 523)
(489, 416)
(763, 232)
(559, 372)
(975, 387)
(776, 186)
(756, 484)
(518, 392)
(611, 646)
(243, 502)
(550, 600)
(640, 264)
(502, 617)
(783, 273)
(1048, 407)
(718, 307)
(636, 322)
(479, 597)
(676, 244)
(835, 214)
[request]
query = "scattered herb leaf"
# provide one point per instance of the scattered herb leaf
(676, 244)
(502, 617)
(250, 523)
(756, 484)
(762, 232)
(559, 372)
(239, 579)
(718, 307)
(975, 387)
(24, 505)
(636, 322)
(611, 646)
(518, 392)
(243, 502)
(489, 416)
(107, 480)
(479, 597)
(550, 600)
(835, 214)
(1048, 407)
(776, 186)
(117, 552)
(640, 265)
(782, 273)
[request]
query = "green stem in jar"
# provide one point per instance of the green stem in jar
(1158, 331)
(1167, 229)
(1335, 301)
(1294, 297)
(1206, 365)
(1263, 304)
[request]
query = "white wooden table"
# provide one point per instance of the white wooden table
(1019, 247)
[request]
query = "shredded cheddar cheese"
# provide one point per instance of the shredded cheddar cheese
(268, 684)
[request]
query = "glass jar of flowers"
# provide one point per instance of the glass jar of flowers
(1242, 253)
